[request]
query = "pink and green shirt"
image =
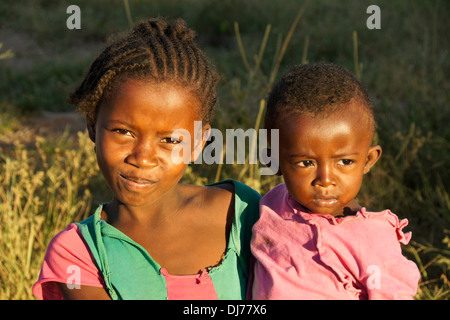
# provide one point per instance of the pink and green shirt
(99, 255)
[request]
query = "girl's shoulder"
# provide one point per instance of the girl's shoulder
(232, 192)
(221, 192)
(236, 188)
(227, 198)
(69, 236)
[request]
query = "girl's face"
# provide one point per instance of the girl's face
(323, 160)
(134, 139)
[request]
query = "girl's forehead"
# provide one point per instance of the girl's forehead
(152, 102)
(151, 87)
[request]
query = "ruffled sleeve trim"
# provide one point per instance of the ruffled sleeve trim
(402, 237)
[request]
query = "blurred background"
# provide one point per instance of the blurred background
(48, 171)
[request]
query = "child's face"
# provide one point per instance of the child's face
(133, 139)
(323, 160)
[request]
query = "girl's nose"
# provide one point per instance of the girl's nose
(143, 155)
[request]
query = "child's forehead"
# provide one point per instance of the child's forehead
(353, 110)
(351, 118)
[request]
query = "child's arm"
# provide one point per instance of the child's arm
(394, 280)
(386, 273)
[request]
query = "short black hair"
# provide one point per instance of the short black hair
(315, 89)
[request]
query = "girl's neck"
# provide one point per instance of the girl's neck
(118, 213)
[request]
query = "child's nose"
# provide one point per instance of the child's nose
(143, 155)
(325, 176)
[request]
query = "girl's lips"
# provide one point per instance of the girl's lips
(136, 182)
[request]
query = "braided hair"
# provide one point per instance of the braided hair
(155, 50)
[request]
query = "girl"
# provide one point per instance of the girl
(313, 240)
(156, 239)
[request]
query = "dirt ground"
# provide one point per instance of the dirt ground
(46, 124)
(27, 53)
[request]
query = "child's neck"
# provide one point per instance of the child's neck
(352, 209)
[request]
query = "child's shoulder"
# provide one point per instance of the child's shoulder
(385, 221)
(276, 194)
(277, 190)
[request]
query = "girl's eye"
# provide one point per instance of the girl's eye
(305, 163)
(122, 132)
(345, 162)
(171, 140)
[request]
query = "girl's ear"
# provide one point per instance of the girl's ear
(199, 142)
(91, 129)
(372, 157)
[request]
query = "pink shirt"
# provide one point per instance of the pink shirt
(303, 255)
(68, 249)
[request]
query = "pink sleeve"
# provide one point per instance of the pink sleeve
(67, 260)
(391, 275)
(371, 251)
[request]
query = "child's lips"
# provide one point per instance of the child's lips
(326, 201)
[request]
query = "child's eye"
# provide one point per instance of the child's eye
(171, 140)
(305, 163)
(345, 162)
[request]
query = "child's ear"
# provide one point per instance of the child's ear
(91, 130)
(268, 152)
(372, 157)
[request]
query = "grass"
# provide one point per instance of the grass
(40, 193)
(403, 65)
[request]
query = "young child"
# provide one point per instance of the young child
(157, 238)
(313, 240)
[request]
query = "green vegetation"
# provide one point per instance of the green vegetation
(404, 66)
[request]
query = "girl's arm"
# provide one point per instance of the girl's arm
(83, 293)
(67, 266)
